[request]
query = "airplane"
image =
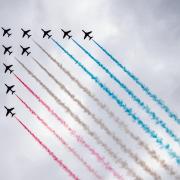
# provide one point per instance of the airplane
(9, 111)
(8, 68)
(87, 34)
(7, 49)
(25, 33)
(6, 31)
(25, 50)
(9, 88)
(46, 33)
(66, 33)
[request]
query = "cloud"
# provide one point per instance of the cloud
(142, 35)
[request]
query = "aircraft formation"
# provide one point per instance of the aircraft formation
(25, 50)
(46, 33)
(130, 112)
(9, 89)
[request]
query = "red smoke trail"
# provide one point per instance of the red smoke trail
(60, 139)
(120, 122)
(73, 132)
(60, 163)
(100, 122)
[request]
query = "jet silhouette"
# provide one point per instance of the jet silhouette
(7, 49)
(46, 33)
(9, 111)
(66, 33)
(8, 68)
(87, 34)
(9, 88)
(6, 31)
(25, 33)
(24, 50)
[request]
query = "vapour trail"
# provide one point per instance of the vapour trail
(84, 126)
(128, 110)
(60, 139)
(101, 124)
(152, 95)
(55, 158)
(74, 133)
(144, 106)
(120, 123)
(68, 110)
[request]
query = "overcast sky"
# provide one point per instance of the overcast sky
(142, 35)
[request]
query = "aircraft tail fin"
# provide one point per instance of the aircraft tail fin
(70, 37)
(11, 71)
(10, 53)
(90, 38)
(12, 114)
(49, 36)
(28, 53)
(9, 35)
(13, 92)
(29, 36)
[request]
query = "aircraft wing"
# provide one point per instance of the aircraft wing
(7, 113)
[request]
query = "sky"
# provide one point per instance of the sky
(143, 35)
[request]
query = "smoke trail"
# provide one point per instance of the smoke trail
(74, 133)
(120, 123)
(55, 158)
(71, 76)
(85, 127)
(143, 86)
(145, 107)
(152, 153)
(76, 117)
(101, 124)
(90, 169)
(129, 111)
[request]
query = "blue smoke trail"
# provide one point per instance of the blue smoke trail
(145, 107)
(129, 111)
(144, 87)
